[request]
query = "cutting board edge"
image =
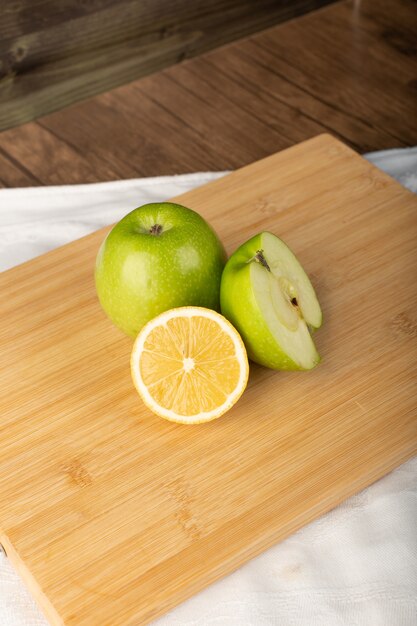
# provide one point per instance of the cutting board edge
(41, 598)
(274, 538)
(222, 570)
(308, 142)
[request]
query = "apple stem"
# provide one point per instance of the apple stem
(156, 229)
(259, 258)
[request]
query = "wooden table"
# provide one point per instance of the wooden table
(348, 69)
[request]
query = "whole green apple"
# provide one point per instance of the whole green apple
(268, 297)
(158, 257)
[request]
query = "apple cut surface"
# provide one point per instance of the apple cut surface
(293, 282)
(269, 298)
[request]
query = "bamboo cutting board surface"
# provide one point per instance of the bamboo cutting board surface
(113, 515)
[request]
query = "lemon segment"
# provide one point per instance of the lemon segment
(189, 365)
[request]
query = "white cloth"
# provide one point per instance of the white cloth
(355, 566)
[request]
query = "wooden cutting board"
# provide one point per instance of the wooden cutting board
(113, 515)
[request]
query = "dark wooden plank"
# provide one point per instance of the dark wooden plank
(258, 65)
(12, 174)
(232, 80)
(55, 53)
(241, 102)
(128, 129)
(366, 75)
(50, 160)
(219, 122)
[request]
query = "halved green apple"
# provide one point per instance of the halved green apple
(269, 298)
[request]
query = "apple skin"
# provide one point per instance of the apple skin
(140, 274)
(239, 306)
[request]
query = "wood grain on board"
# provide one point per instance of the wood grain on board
(349, 68)
(113, 515)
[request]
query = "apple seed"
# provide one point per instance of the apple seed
(259, 258)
